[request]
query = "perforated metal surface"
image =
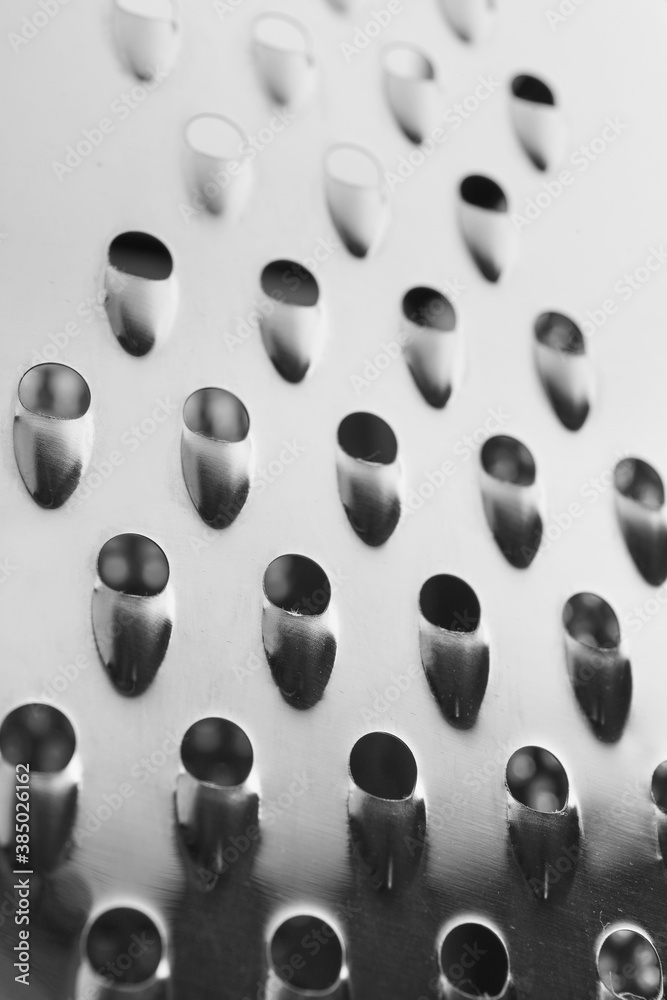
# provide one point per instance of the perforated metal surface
(581, 249)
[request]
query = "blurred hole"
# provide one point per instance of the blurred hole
(508, 461)
(637, 480)
(482, 192)
(531, 88)
(559, 332)
(124, 947)
(287, 281)
(141, 255)
(216, 414)
(592, 622)
(474, 960)
(448, 602)
(368, 438)
(537, 779)
(430, 309)
(55, 391)
(298, 585)
(307, 954)
(629, 966)
(281, 33)
(659, 786)
(407, 63)
(352, 166)
(383, 766)
(155, 9)
(215, 136)
(217, 751)
(39, 736)
(133, 564)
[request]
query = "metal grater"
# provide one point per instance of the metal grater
(426, 304)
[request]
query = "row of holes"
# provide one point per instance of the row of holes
(218, 752)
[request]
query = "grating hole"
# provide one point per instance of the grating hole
(287, 281)
(298, 585)
(39, 736)
(629, 966)
(133, 564)
(430, 309)
(485, 974)
(557, 331)
(216, 414)
(407, 63)
(508, 461)
(215, 136)
(592, 622)
(531, 88)
(281, 33)
(124, 947)
(659, 786)
(637, 480)
(55, 391)
(307, 954)
(537, 779)
(352, 166)
(368, 438)
(141, 255)
(448, 602)
(482, 192)
(155, 9)
(383, 766)
(218, 752)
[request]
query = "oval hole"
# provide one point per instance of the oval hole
(157, 10)
(508, 461)
(591, 621)
(306, 969)
(537, 779)
(407, 63)
(352, 166)
(112, 937)
(216, 414)
(482, 192)
(54, 391)
(141, 255)
(282, 33)
(559, 332)
(133, 564)
(38, 735)
(383, 766)
(217, 752)
(531, 88)
(629, 966)
(215, 136)
(449, 603)
(639, 481)
(287, 281)
(659, 786)
(487, 974)
(368, 438)
(430, 309)
(298, 585)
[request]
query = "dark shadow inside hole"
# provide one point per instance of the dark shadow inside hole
(487, 975)
(637, 480)
(141, 255)
(297, 960)
(430, 309)
(448, 602)
(482, 192)
(287, 281)
(508, 460)
(129, 941)
(659, 786)
(531, 88)
(537, 779)
(55, 391)
(217, 751)
(298, 585)
(216, 414)
(591, 621)
(368, 438)
(133, 564)
(383, 766)
(559, 332)
(629, 966)
(37, 735)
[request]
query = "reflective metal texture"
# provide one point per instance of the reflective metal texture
(333, 549)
